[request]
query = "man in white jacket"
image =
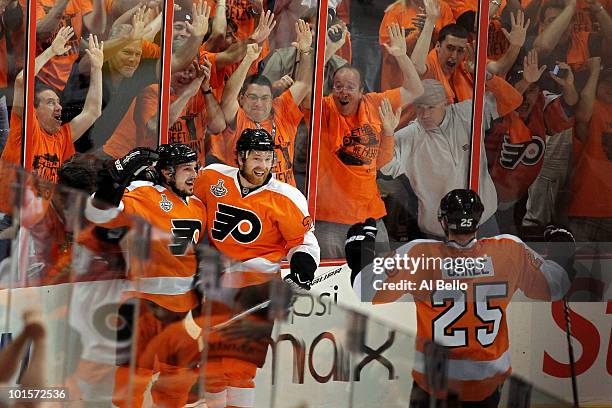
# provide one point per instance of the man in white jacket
(434, 150)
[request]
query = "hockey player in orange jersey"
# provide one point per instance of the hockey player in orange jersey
(257, 221)
(161, 286)
(468, 315)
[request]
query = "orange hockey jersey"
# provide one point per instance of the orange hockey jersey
(259, 229)
(166, 276)
(461, 296)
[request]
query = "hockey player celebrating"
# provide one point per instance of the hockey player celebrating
(461, 288)
(162, 283)
(257, 221)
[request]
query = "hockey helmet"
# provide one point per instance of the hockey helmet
(255, 139)
(461, 209)
(171, 155)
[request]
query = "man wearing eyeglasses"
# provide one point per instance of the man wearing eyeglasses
(356, 140)
(249, 104)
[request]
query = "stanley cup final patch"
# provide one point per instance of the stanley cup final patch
(165, 204)
(218, 190)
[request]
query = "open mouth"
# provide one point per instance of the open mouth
(451, 64)
(58, 117)
(259, 173)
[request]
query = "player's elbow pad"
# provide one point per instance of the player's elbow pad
(303, 265)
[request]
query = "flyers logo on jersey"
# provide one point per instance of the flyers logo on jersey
(528, 153)
(184, 232)
(165, 204)
(243, 225)
(218, 190)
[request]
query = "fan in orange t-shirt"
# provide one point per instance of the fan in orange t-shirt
(249, 105)
(590, 208)
(356, 140)
(50, 142)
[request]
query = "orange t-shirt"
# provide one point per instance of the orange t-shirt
(459, 85)
(258, 229)
(584, 20)
(177, 226)
(471, 322)
(351, 150)
(45, 152)
(591, 188)
(459, 7)
(282, 125)
(57, 71)
(190, 127)
(403, 15)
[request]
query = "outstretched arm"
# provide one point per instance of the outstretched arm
(584, 110)
(412, 87)
(548, 39)
(229, 100)
(303, 80)
(421, 48)
(58, 47)
(93, 103)
(516, 38)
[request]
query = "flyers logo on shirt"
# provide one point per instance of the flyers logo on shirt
(359, 147)
(184, 233)
(528, 153)
(243, 225)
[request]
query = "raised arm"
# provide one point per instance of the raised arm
(58, 47)
(198, 29)
(584, 110)
(421, 48)
(531, 72)
(390, 121)
(516, 38)
(303, 79)
(331, 47)
(229, 100)
(548, 39)
(219, 26)
(411, 87)
(602, 17)
(47, 25)
(96, 20)
(216, 119)
(93, 103)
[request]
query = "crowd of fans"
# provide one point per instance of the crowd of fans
(397, 108)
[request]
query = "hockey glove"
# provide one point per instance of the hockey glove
(359, 246)
(561, 247)
(302, 269)
(117, 175)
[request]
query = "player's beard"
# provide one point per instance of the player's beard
(253, 179)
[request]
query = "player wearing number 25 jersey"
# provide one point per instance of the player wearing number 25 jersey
(462, 288)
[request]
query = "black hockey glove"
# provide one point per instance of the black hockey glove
(359, 247)
(302, 269)
(117, 174)
(561, 247)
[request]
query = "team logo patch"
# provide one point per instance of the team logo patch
(307, 222)
(165, 204)
(218, 190)
(243, 225)
(528, 153)
(184, 232)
